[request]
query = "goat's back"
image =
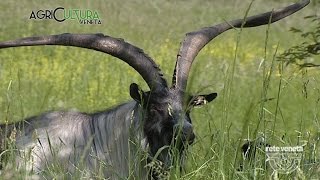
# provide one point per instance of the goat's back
(75, 141)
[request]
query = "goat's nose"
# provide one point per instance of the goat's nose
(188, 133)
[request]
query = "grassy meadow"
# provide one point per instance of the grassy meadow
(258, 96)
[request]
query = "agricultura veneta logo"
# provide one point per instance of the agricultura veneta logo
(61, 14)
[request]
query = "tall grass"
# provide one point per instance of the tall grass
(257, 95)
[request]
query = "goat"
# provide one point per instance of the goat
(154, 122)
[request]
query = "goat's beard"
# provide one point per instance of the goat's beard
(170, 151)
(166, 149)
(168, 158)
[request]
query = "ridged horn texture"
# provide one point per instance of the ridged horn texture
(195, 41)
(130, 54)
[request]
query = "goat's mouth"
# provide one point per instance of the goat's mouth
(189, 139)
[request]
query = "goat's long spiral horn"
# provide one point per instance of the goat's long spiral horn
(130, 54)
(195, 41)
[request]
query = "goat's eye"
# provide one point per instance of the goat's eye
(170, 110)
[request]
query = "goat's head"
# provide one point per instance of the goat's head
(167, 120)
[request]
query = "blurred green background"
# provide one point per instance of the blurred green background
(38, 79)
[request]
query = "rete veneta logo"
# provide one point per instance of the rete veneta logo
(60, 14)
(284, 160)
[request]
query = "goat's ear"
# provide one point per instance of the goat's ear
(200, 100)
(136, 93)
